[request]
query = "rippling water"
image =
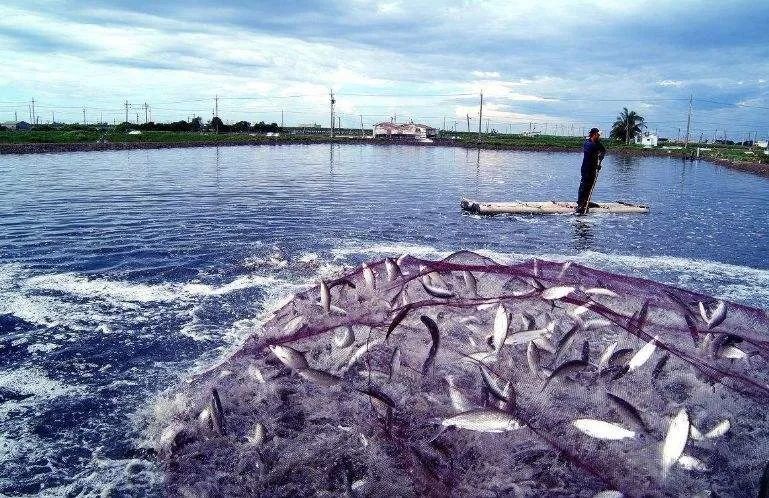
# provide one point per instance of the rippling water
(121, 273)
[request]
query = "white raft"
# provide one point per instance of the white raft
(548, 207)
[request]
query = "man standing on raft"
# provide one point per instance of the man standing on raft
(591, 164)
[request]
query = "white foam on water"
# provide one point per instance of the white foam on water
(34, 383)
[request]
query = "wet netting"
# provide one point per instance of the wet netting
(466, 377)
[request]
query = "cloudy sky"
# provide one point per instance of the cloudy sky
(564, 64)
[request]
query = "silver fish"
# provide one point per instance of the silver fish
(470, 282)
(719, 430)
(325, 297)
(599, 291)
(688, 462)
(319, 377)
(602, 430)
(643, 355)
(606, 355)
(714, 318)
(675, 441)
(528, 321)
(558, 292)
(344, 336)
(501, 325)
(293, 325)
(368, 276)
(459, 401)
(483, 420)
(609, 493)
(290, 357)
(393, 271)
(401, 259)
(564, 269)
(395, 363)
(629, 410)
(440, 292)
(257, 435)
(596, 323)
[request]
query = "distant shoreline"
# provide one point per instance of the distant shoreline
(53, 148)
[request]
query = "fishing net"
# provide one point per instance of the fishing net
(467, 377)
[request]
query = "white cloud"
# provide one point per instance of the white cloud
(485, 74)
(674, 83)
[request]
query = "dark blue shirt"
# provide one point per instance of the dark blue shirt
(593, 153)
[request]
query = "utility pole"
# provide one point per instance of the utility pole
(339, 123)
(545, 128)
(83, 115)
(468, 123)
(361, 125)
(137, 118)
(444, 123)
(688, 123)
(126, 111)
(16, 116)
(216, 111)
(145, 112)
(281, 118)
(53, 118)
(33, 111)
(332, 113)
(480, 118)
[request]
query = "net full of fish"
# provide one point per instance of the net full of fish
(467, 377)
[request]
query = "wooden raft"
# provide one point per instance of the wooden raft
(548, 207)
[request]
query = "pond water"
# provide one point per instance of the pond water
(123, 273)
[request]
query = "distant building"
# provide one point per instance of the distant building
(20, 125)
(762, 144)
(413, 131)
(646, 139)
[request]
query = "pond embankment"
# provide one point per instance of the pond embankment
(757, 168)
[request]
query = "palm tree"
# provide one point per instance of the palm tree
(628, 124)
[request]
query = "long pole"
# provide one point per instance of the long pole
(480, 118)
(83, 115)
(468, 123)
(361, 125)
(332, 113)
(145, 113)
(688, 123)
(126, 111)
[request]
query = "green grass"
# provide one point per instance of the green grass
(91, 134)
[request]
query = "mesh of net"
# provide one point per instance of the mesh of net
(367, 418)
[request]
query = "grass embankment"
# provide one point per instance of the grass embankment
(742, 157)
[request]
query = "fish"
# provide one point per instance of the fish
(509, 402)
(257, 434)
(470, 282)
(401, 259)
(492, 383)
(620, 356)
(482, 356)
(532, 356)
(432, 327)
(719, 430)
(524, 337)
(693, 332)
(528, 321)
(398, 319)
(660, 365)
(585, 351)
(544, 343)
(395, 363)
(565, 343)
(596, 323)
(581, 309)
(733, 352)
(643, 355)
(319, 377)
(629, 410)
(363, 349)
(344, 337)
(293, 325)
(368, 276)
(380, 400)
(558, 292)
(501, 325)
(459, 401)
(485, 306)
(688, 462)
(325, 297)
(609, 493)
(675, 441)
(217, 414)
(483, 420)
(600, 429)
(600, 291)
(714, 318)
(393, 271)
(289, 356)
(566, 368)
(607, 353)
(695, 433)
(435, 291)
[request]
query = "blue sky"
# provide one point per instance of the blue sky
(565, 64)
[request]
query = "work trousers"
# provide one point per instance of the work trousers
(586, 184)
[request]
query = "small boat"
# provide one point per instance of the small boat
(548, 207)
